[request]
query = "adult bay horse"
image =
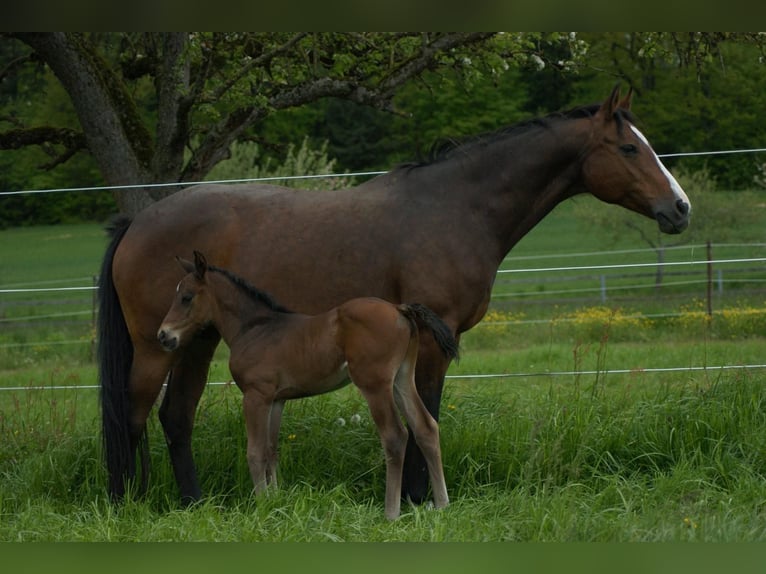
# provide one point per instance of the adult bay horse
(432, 232)
(277, 355)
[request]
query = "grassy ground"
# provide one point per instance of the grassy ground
(582, 458)
(591, 455)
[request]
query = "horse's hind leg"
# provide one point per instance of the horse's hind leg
(147, 373)
(431, 368)
(185, 386)
(422, 425)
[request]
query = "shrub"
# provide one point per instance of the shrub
(246, 162)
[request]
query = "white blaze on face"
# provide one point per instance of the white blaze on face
(674, 185)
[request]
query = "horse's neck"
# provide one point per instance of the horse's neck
(513, 183)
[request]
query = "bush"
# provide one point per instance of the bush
(246, 162)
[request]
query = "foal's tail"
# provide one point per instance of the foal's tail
(115, 355)
(422, 316)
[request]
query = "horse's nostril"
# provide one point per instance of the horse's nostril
(682, 206)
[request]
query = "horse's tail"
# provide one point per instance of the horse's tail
(422, 316)
(115, 355)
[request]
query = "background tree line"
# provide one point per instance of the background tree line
(141, 108)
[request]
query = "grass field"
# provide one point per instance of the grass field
(565, 448)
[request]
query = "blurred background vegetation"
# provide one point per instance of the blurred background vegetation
(695, 92)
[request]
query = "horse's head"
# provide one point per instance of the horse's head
(621, 167)
(191, 310)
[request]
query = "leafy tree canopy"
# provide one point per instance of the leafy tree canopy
(144, 99)
(139, 108)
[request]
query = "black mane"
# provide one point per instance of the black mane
(443, 149)
(251, 291)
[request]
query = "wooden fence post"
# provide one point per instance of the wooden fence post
(709, 279)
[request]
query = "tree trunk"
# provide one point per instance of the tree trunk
(114, 132)
(174, 104)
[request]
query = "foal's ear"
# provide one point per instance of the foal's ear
(186, 265)
(200, 265)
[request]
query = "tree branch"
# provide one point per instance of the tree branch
(427, 59)
(262, 60)
(21, 137)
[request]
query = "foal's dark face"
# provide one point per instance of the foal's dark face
(189, 313)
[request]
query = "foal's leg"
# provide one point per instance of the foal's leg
(422, 425)
(257, 410)
(378, 393)
(275, 421)
(187, 381)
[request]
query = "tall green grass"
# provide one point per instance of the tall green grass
(570, 460)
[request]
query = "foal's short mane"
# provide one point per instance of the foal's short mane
(251, 291)
(442, 149)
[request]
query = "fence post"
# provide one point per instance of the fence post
(602, 280)
(709, 279)
(94, 308)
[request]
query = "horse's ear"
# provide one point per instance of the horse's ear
(200, 265)
(625, 102)
(186, 265)
(611, 104)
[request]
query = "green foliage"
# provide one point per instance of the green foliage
(246, 163)
(25, 169)
(696, 92)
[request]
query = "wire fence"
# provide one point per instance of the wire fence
(476, 376)
(561, 272)
(298, 177)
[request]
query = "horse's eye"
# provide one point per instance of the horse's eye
(186, 298)
(629, 149)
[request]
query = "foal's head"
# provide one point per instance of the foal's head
(192, 308)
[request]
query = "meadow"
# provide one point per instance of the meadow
(562, 426)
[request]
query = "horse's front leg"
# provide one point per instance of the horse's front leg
(185, 386)
(257, 410)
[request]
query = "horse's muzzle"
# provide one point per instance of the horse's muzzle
(675, 220)
(168, 341)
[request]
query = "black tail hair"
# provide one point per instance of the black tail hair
(425, 317)
(115, 355)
